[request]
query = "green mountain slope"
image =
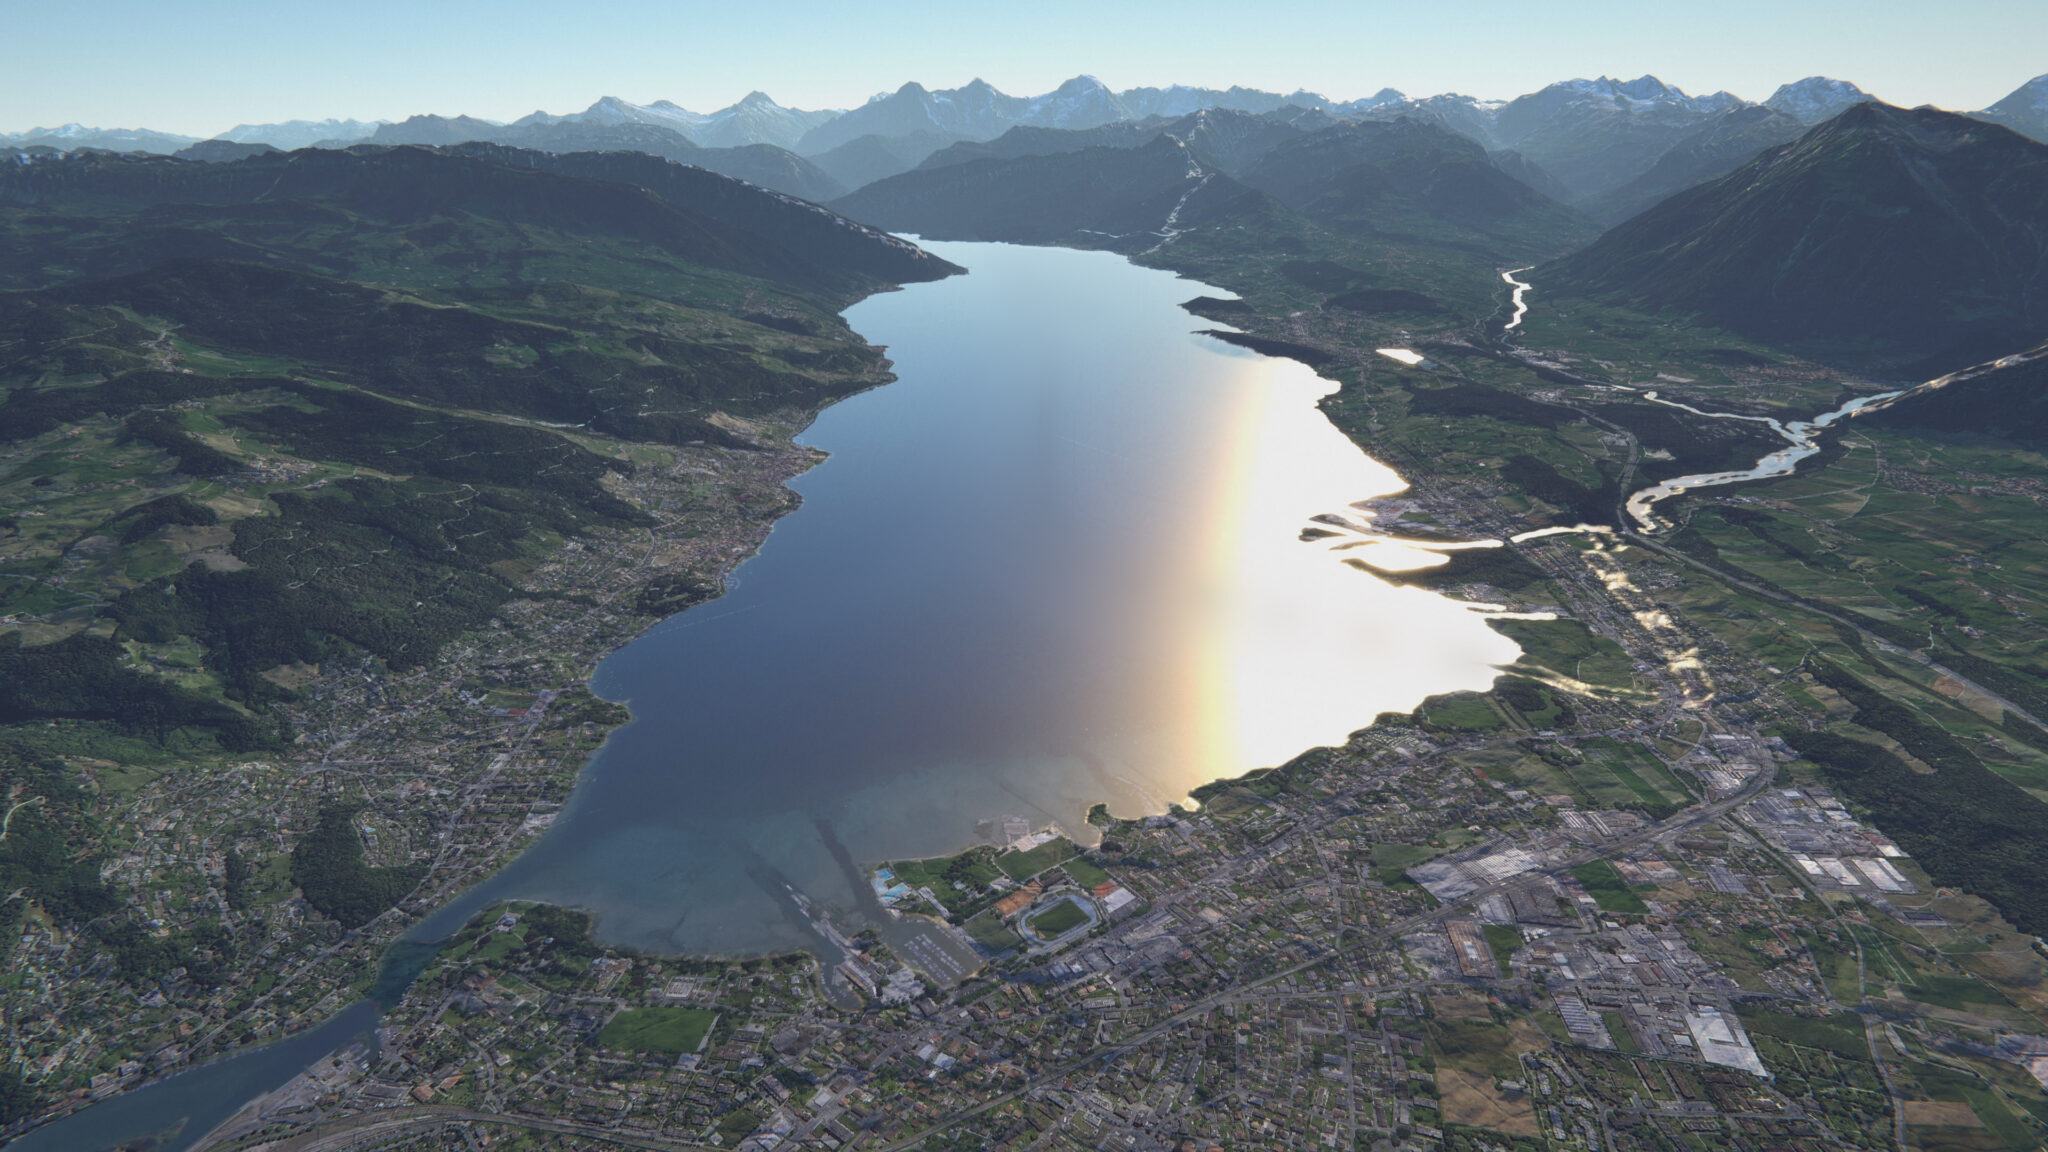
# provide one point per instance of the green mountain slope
(858, 163)
(1915, 238)
(1117, 197)
(1029, 140)
(1380, 182)
(2007, 404)
(1722, 146)
(818, 235)
(346, 212)
(334, 405)
(1406, 177)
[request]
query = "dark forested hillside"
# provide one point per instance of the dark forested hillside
(1108, 194)
(1886, 235)
(765, 164)
(1382, 180)
(1710, 152)
(460, 207)
(1406, 176)
(368, 388)
(820, 236)
(2007, 404)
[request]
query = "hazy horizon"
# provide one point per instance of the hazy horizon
(205, 67)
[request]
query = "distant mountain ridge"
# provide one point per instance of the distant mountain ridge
(1106, 192)
(1590, 135)
(1607, 146)
(1816, 98)
(869, 158)
(1405, 176)
(976, 110)
(70, 136)
(772, 167)
(2025, 111)
(755, 119)
(977, 107)
(218, 151)
(1132, 183)
(293, 134)
(1714, 149)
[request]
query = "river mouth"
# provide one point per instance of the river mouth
(1057, 563)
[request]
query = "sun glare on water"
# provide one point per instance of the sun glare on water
(1307, 649)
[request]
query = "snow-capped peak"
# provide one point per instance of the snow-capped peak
(1643, 91)
(1815, 98)
(292, 134)
(1083, 102)
(2024, 109)
(612, 110)
(2031, 96)
(1645, 87)
(112, 139)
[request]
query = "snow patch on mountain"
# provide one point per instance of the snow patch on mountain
(2025, 110)
(290, 134)
(68, 136)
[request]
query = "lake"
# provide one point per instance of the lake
(1057, 563)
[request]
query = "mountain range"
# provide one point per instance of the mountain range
(1608, 147)
(756, 119)
(69, 136)
(301, 133)
(1716, 148)
(1127, 185)
(1412, 177)
(1818, 219)
(1111, 193)
(1908, 240)
(772, 167)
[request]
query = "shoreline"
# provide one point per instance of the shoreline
(1189, 802)
(468, 847)
(368, 949)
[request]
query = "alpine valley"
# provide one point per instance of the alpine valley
(1641, 492)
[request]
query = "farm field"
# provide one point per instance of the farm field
(661, 1029)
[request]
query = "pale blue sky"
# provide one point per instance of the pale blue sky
(201, 66)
